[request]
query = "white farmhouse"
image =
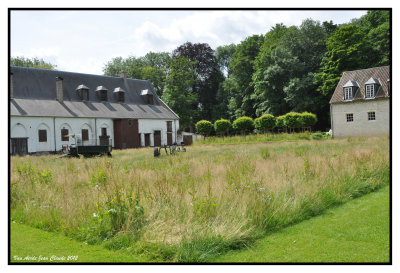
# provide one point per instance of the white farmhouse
(360, 105)
(46, 107)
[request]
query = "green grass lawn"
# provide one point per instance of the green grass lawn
(356, 232)
(28, 243)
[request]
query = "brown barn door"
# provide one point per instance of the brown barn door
(146, 140)
(169, 138)
(157, 138)
(19, 146)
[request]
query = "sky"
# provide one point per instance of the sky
(84, 41)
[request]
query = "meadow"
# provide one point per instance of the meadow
(192, 206)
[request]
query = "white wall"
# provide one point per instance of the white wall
(361, 126)
(148, 126)
(29, 126)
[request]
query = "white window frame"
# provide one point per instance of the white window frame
(348, 115)
(369, 91)
(348, 93)
(371, 114)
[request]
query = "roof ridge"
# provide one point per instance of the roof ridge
(72, 73)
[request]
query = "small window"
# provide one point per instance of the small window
(371, 115)
(349, 117)
(129, 122)
(103, 131)
(348, 94)
(369, 91)
(42, 135)
(64, 135)
(85, 134)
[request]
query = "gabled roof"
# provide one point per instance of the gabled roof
(34, 94)
(351, 84)
(373, 81)
(82, 86)
(380, 74)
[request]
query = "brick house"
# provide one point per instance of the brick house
(359, 106)
(47, 106)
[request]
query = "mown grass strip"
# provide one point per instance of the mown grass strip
(31, 245)
(356, 232)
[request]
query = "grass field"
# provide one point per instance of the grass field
(195, 205)
(357, 231)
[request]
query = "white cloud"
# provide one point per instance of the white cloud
(83, 41)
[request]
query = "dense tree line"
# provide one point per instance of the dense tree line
(290, 68)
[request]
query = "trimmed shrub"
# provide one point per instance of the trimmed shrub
(222, 126)
(293, 120)
(308, 119)
(265, 122)
(280, 122)
(204, 127)
(243, 124)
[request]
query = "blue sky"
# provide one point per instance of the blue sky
(83, 41)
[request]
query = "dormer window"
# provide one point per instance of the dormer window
(101, 92)
(83, 92)
(369, 91)
(348, 93)
(349, 90)
(119, 94)
(371, 88)
(147, 96)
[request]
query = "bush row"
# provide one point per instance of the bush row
(263, 124)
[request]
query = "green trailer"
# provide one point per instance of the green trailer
(87, 148)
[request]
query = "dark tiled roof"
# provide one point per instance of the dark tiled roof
(35, 95)
(382, 74)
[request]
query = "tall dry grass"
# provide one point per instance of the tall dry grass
(193, 204)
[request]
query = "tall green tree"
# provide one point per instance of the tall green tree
(348, 49)
(32, 63)
(207, 72)
(239, 84)
(179, 93)
(153, 66)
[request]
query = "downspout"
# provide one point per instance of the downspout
(54, 133)
(95, 131)
(175, 131)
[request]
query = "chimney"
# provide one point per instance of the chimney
(59, 89)
(123, 75)
(11, 86)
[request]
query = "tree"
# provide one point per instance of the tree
(208, 75)
(243, 124)
(265, 122)
(32, 63)
(293, 120)
(204, 127)
(239, 83)
(153, 66)
(223, 55)
(308, 119)
(222, 126)
(348, 49)
(178, 93)
(285, 68)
